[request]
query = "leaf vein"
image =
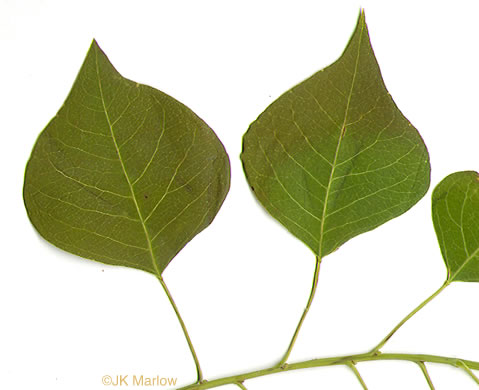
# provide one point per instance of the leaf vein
(296, 161)
(163, 126)
(322, 109)
(93, 233)
(368, 196)
(309, 142)
(130, 102)
(173, 177)
(83, 151)
(265, 198)
(374, 143)
(338, 147)
(182, 211)
(380, 168)
(40, 191)
(133, 196)
(282, 185)
(85, 184)
(135, 132)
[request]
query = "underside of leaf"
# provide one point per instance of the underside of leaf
(124, 174)
(334, 157)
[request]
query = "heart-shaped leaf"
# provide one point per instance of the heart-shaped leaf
(334, 157)
(455, 213)
(124, 174)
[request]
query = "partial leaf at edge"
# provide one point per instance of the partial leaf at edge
(455, 213)
(334, 157)
(124, 174)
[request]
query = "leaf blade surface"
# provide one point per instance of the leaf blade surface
(124, 174)
(455, 212)
(334, 157)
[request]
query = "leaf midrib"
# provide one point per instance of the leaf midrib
(133, 195)
(466, 262)
(338, 146)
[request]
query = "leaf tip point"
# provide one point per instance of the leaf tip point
(362, 15)
(94, 44)
(361, 21)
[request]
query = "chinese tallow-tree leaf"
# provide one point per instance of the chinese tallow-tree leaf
(334, 157)
(455, 213)
(124, 174)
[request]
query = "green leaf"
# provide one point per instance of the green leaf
(455, 213)
(334, 157)
(124, 174)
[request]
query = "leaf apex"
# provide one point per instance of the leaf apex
(362, 16)
(362, 13)
(94, 44)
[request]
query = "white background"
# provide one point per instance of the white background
(242, 284)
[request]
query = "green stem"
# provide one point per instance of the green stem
(334, 361)
(426, 374)
(463, 364)
(305, 312)
(185, 331)
(352, 366)
(241, 386)
(405, 319)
